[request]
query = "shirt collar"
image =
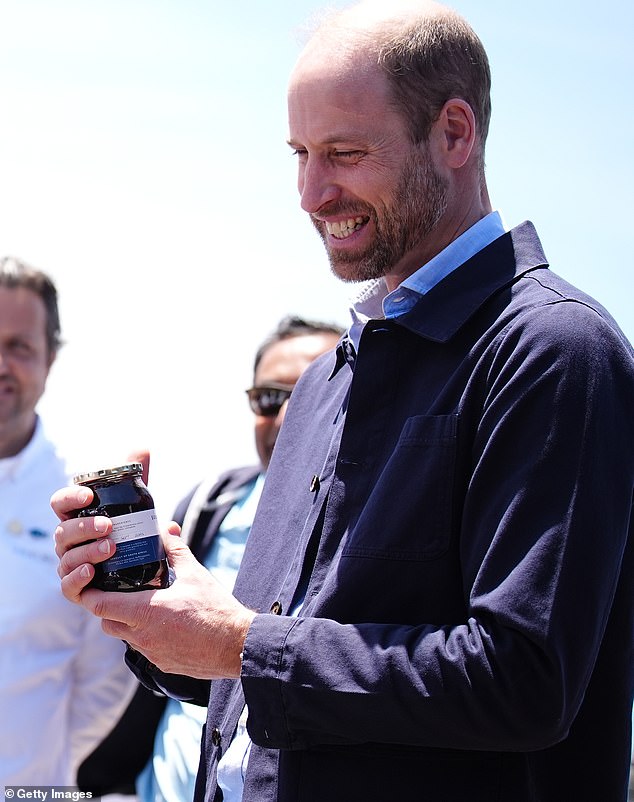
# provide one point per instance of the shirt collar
(374, 302)
(12, 467)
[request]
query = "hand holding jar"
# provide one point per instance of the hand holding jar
(193, 627)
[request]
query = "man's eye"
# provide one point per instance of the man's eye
(299, 152)
(348, 154)
(20, 348)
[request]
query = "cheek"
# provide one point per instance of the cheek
(263, 428)
(25, 374)
(38, 378)
(264, 437)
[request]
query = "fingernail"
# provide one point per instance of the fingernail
(104, 546)
(83, 496)
(100, 524)
(84, 572)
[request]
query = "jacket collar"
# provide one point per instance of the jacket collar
(448, 306)
(440, 313)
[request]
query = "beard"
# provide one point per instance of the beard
(420, 200)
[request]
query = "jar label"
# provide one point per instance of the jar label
(137, 539)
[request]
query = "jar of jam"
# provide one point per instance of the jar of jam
(139, 561)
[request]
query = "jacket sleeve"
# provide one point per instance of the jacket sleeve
(176, 686)
(543, 525)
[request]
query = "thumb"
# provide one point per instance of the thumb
(141, 455)
(176, 550)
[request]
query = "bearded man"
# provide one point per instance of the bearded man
(436, 600)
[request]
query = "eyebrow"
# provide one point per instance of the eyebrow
(333, 139)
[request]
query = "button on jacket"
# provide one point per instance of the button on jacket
(466, 630)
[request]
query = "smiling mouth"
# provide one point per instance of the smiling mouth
(341, 229)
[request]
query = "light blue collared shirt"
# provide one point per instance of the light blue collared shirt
(375, 302)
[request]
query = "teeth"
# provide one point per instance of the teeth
(343, 228)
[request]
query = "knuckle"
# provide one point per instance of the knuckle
(68, 589)
(99, 609)
(65, 564)
(67, 499)
(110, 627)
(62, 568)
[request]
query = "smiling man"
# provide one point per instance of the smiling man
(377, 168)
(28, 344)
(61, 683)
(436, 601)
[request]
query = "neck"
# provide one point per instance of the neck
(454, 222)
(14, 439)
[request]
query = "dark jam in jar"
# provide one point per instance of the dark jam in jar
(139, 560)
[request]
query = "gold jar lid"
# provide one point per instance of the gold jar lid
(130, 469)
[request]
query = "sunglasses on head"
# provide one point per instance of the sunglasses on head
(268, 399)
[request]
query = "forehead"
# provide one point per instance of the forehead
(339, 95)
(286, 360)
(22, 312)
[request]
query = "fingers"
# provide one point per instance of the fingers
(178, 553)
(80, 543)
(75, 582)
(141, 455)
(122, 613)
(70, 499)
(115, 608)
(85, 538)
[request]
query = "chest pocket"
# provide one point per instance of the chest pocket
(408, 513)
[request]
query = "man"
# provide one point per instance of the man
(61, 683)
(455, 621)
(216, 518)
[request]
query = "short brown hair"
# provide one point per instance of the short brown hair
(430, 60)
(428, 54)
(295, 326)
(15, 273)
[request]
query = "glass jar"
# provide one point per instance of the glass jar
(139, 561)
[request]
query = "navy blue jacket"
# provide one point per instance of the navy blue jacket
(457, 508)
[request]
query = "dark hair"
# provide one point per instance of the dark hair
(14, 273)
(294, 326)
(430, 60)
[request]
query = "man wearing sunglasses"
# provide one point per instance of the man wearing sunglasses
(216, 518)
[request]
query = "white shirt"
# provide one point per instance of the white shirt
(63, 682)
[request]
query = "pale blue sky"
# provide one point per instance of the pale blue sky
(143, 164)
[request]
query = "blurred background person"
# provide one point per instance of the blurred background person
(63, 683)
(216, 518)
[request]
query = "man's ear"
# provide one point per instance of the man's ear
(456, 126)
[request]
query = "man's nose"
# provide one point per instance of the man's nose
(317, 185)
